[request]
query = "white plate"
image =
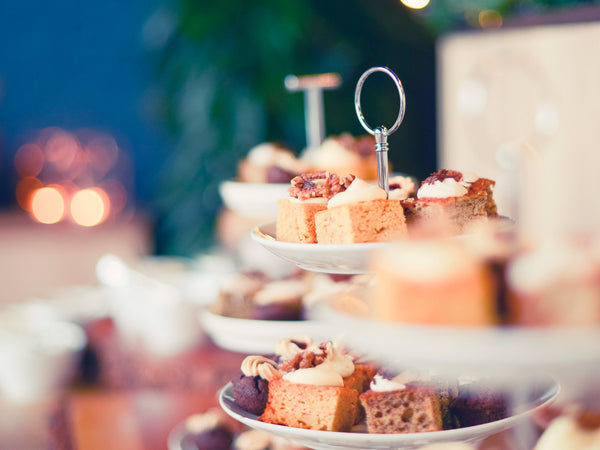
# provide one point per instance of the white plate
(253, 199)
(257, 336)
(360, 440)
(328, 258)
(485, 350)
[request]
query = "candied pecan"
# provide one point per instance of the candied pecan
(442, 174)
(320, 184)
(303, 360)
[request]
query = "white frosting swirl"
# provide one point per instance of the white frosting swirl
(287, 348)
(267, 154)
(253, 440)
(199, 423)
(442, 189)
(358, 191)
(253, 366)
(329, 154)
(407, 187)
(380, 384)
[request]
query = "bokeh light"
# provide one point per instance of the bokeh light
(25, 190)
(490, 19)
(48, 205)
(89, 207)
(29, 160)
(415, 4)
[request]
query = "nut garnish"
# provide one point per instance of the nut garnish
(442, 174)
(322, 184)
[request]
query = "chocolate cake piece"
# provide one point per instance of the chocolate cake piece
(278, 311)
(208, 431)
(476, 405)
(250, 393)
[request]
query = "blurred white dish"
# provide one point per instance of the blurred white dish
(360, 440)
(37, 356)
(257, 336)
(79, 304)
(328, 258)
(253, 199)
(483, 350)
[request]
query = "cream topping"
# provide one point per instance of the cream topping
(267, 154)
(259, 366)
(407, 187)
(358, 191)
(280, 291)
(240, 284)
(442, 189)
(564, 432)
(198, 423)
(468, 178)
(330, 372)
(287, 348)
(253, 440)
(381, 384)
(329, 154)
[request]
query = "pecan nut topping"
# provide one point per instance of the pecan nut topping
(442, 174)
(322, 184)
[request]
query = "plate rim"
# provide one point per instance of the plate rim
(545, 399)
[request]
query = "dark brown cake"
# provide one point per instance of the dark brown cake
(278, 311)
(250, 393)
(476, 405)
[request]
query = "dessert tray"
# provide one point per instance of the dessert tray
(360, 440)
(256, 336)
(327, 258)
(253, 199)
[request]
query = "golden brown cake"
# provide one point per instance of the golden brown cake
(318, 389)
(309, 194)
(408, 410)
(361, 213)
(330, 408)
(451, 196)
(431, 282)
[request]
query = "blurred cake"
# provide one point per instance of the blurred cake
(361, 213)
(279, 300)
(207, 431)
(251, 385)
(392, 407)
(434, 281)
(460, 200)
(309, 194)
(477, 404)
(579, 431)
(344, 154)
(269, 163)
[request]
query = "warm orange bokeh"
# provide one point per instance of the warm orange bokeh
(48, 205)
(90, 207)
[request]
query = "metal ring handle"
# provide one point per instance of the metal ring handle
(358, 91)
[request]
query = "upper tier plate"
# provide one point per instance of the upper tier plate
(360, 440)
(257, 336)
(255, 200)
(327, 258)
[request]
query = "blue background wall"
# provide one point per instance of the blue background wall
(76, 64)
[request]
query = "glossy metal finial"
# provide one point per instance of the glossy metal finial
(381, 133)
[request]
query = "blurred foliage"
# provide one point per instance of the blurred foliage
(223, 66)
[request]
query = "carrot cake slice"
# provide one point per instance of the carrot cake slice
(362, 213)
(309, 194)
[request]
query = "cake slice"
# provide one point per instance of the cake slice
(330, 408)
(362, 213)
(309, 194)
(318, 390)
(395, 408)
(461, 200)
